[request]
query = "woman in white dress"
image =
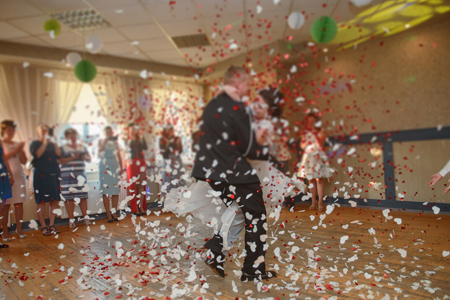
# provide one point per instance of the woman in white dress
(202, 202)
(16, 157)
(314, 164)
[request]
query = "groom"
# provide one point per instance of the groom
(226, 139)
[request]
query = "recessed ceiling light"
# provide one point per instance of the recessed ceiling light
(81, 19)
(325, 49)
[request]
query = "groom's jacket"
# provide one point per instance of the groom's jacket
(226, 139)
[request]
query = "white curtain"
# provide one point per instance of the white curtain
(29, 98)
(148, 102)
(68, 90)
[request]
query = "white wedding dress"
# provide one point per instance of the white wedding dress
(200, 200)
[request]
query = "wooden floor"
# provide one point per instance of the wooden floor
(162, 259)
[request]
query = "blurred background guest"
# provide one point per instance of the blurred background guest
(136, 168)
(6, 184)
(46, 174)
(314, 164)
(438, 176)
(110, 171)
(15, 155)
(73, 174)
(171, 148)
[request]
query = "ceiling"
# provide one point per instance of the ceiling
(142, 29)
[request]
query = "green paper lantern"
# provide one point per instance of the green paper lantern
(324, 29)
(54, 25)
(289, 46)
(85, 71)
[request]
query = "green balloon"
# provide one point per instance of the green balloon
(54, 25)
(324, 29)
(85, 71)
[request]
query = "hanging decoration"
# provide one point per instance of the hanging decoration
(85, 71)
(296, 20)
(324, 29)
(53, 27)
(360, 3)
(73, 58)
(94, 44)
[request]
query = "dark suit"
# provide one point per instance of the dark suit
(226, 139)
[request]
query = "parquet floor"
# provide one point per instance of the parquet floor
(160, 258)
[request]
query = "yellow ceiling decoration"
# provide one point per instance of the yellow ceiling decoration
(387, 18)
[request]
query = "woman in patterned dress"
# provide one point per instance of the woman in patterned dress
(74, 187)
(16, 157)
(314, 164)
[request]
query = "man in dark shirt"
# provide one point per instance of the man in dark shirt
(226, 139)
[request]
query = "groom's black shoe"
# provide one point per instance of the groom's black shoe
(215, 262)
(251, 277)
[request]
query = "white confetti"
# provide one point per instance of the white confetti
(436, 210)
(344, 239)
(259, 9)
(402, 252)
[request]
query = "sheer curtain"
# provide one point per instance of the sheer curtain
(148, 102)
(68, 90)
(29, 98)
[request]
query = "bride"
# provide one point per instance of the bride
(198, 199)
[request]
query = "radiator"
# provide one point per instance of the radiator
(95, 205)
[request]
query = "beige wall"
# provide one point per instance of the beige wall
(408, 88)
(401, 83)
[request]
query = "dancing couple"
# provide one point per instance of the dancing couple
(232, 165)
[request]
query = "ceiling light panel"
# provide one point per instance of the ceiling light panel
(81, 19)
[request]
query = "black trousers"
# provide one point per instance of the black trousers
(250, 199)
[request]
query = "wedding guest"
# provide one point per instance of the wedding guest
(438, 176)
(15, 154)
(6, 183)
(136, 168)
(171, 148)
(46, 174)
(314, 164)
(74, 156)
(110, 171)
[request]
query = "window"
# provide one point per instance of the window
(88, 120)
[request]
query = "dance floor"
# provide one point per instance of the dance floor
(346, 253)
